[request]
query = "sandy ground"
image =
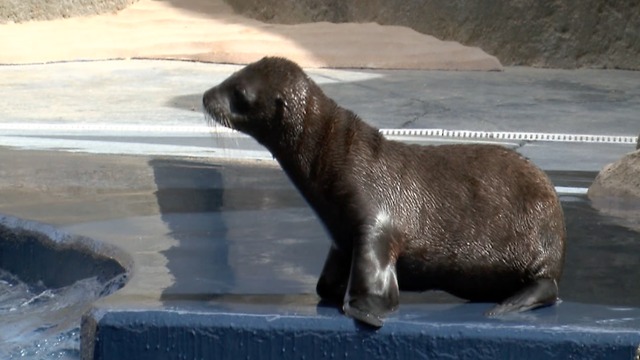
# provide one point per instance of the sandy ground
(209, 30)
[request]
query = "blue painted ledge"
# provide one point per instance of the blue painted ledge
(568, 331)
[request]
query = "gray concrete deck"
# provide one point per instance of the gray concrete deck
(153, 107)
(116, 151)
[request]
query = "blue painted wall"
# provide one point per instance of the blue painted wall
(190, 335)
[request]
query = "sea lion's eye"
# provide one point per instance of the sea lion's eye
(239, 101)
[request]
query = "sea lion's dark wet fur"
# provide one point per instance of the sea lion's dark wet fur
(478, 221)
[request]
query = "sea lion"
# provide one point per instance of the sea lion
(478, 221)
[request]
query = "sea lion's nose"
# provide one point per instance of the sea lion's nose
(207, 97)
(213, 99)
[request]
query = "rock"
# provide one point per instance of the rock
(619, 179)
(545, 33)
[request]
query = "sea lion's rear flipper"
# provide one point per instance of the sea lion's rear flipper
(542, 292)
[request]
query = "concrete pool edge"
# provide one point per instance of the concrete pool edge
(44, 245)
(192, 334)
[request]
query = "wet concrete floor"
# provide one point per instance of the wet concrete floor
(217, 231)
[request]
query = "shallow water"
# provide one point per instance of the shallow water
(40, 323)
(206, 210)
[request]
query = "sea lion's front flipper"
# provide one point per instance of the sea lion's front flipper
(332, 285)
(373, 286)
(542, 292)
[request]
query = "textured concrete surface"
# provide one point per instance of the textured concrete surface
(438, 333)
(104, 150)
(548, 33)
(208, 30)
(28, 10)
(154, 93)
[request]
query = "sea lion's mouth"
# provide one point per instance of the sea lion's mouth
(216, 118)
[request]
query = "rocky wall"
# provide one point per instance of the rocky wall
(26, 10)
(543, 33)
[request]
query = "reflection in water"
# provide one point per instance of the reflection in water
(246, 235)
(602, 260)
(240, 230)
(193, 258)
(246, 239)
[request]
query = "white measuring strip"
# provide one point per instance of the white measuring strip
(507, 135)
(437, 133)
(568, 190)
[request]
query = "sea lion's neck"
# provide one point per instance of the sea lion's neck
(300, 149)
(324, 145)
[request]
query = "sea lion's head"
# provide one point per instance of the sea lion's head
(267, 100)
